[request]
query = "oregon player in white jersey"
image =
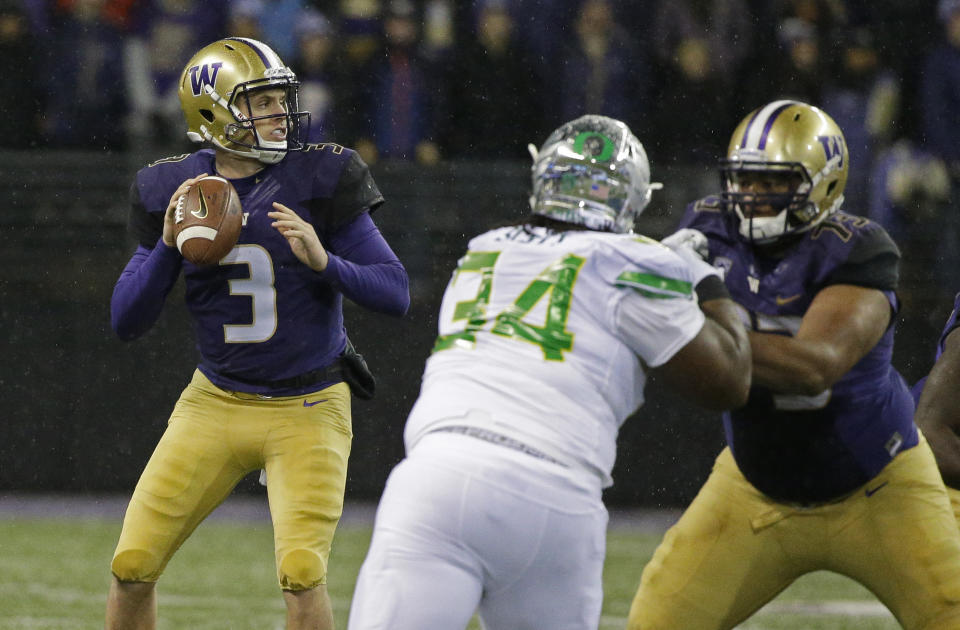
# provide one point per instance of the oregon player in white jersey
(546, 334)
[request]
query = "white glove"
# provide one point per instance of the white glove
(688, 238)
(692, 246)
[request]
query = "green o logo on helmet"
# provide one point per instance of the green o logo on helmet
(594, 145)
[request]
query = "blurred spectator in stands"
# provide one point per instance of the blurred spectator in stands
(359, 39)
(796, 71)
(602, 71)
(84, 89)
(400, 95)
(277, 23)
(38, 15)
(153, 60)
(244, 20)
(316, 67)
(546, 44)
(864, 99)
(701, 46)
(902, 32)
(909, 187)
(438, 29)
(940, 104)
(941, 91)
(909, 196)
(825, 15)
(492, 92)
(23, 107)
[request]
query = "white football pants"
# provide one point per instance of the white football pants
(465, 526)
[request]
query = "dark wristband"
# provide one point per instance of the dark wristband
(711, 288)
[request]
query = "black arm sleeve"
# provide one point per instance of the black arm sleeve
(711, 288)
(874, 262)
(355, 194)
(145, 227)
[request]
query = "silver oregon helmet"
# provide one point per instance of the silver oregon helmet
(592, 171)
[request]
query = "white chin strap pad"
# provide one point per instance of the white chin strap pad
(763, 228)
(276, 150)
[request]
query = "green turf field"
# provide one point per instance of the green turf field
(54, 576)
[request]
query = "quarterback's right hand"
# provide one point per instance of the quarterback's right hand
(168, 217)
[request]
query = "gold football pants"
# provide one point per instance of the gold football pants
(213, 439)
(734, 550)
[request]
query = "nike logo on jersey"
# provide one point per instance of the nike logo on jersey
(781, 301)
(870, 492)
(307, 403)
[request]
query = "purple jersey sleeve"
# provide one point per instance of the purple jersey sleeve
(366, 270)
(953, 322)
(142, 288)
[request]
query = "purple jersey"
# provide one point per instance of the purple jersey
(812, 449)
(952, 323)
(260, 314)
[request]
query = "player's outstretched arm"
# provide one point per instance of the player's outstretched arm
(713, 370)
(937, 409)
(843, 323)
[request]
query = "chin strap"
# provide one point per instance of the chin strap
(763, 229)
(267, 152)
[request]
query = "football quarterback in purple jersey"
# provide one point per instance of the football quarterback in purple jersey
(824, 467)
(937, 403)
(272, 388)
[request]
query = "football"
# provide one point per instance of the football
(207, 221)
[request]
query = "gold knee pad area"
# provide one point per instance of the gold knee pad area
(135, 565)
(302, 569)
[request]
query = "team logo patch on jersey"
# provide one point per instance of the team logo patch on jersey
(205, 74)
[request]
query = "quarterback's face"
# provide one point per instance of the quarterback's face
(268, 108)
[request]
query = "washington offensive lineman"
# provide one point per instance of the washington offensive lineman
(938, 398)
(547, 331)
(824, 468)
(271, 388)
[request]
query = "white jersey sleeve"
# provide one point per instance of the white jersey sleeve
(544, 338)
(656, 318)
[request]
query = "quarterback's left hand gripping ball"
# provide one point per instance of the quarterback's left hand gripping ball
(207, 221)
